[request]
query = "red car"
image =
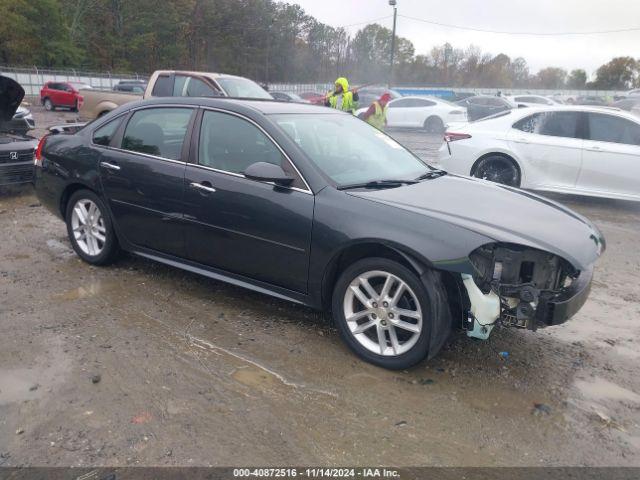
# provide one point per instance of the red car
(314, 97)
(62, 94)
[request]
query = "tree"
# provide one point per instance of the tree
(577, 79)
(620, 73)
(551, 77)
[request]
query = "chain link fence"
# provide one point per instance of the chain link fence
(33, 78)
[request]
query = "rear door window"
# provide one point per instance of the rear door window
(608, 128)
(424, 103)
(157, 131)
(402, 103)
(554, 124)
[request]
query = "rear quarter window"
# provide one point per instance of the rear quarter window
(163, 86)
(104, 134)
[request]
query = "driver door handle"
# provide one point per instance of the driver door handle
(204, 187)
(594, 148)
(109, 166)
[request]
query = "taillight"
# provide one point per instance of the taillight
(37, 159)
(453, 137)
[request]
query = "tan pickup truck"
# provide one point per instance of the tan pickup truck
(171, 83)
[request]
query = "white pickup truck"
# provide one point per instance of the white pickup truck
(171, 83)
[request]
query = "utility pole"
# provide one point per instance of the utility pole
(393, 3)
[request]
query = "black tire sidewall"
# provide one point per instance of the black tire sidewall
(427, 304)
(110, 249)
(434, 121)
(498, 158)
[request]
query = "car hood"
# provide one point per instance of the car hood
(501, 213)
(11, 95)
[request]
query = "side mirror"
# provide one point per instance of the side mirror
(268, 172)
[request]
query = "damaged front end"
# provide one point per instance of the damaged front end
(519, 286)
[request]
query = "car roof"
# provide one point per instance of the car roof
(200, 74)
(417, 97)
(519, 113)
(265, 107)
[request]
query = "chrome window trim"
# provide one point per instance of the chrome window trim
(243, 117)
(239, 175)
(142, 107)
(115, 149)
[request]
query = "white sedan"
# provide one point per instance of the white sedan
(568, 149)
(532, 100)
(430, 113)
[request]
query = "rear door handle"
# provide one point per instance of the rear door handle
(204, 186)
(594, 148)
(109, 166)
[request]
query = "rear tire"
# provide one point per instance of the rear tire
(388, 327)
(48, 105)
(434, 125)
(498, 169)
(90, 229)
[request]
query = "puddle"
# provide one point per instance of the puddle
(16, 385)
(255, 378)
(80, 292)
(599, 389)
(59, 248)
(90, 290)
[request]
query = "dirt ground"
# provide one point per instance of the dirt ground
(142, 364)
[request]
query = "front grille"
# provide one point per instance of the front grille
(20, 173)
(23, 156)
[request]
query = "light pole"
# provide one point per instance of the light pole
(393, 3)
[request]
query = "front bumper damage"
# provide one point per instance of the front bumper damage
(521, 287)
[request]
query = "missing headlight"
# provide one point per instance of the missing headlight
(520, 275)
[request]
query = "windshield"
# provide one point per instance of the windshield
(350, 151)
(242, 88)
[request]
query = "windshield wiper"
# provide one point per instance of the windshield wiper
(377, 184)
(431, 174)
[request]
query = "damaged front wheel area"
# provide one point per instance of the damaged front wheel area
(385, 312)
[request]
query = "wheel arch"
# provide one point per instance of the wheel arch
(500, 153)
(68, 191)
(420, 266)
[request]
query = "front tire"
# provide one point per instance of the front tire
(48, 105)
(498, 169)
(90, 229)
(385, 313)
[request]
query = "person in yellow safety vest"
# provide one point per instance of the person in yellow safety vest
(376, 115)
(342, 98)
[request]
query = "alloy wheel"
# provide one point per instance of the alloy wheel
(383, 313)
(499, 171)
(87, 224)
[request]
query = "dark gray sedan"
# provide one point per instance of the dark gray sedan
(315, 206)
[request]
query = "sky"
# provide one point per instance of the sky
(535, 16)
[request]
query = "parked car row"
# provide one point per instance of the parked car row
(170, 83)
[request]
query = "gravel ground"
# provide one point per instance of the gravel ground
(142, 364)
